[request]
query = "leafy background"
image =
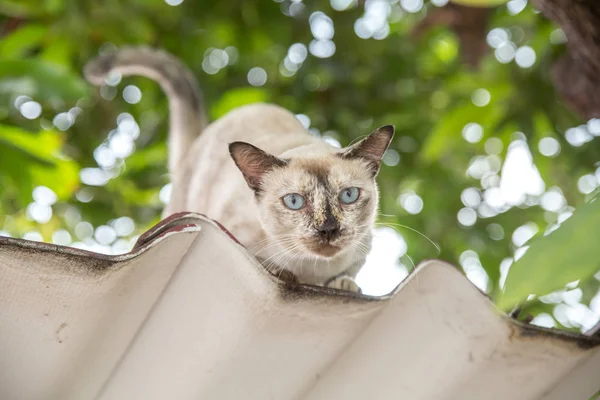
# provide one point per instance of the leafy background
(485, 158)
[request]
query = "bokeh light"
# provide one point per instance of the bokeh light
(257, 76)
(132, 94)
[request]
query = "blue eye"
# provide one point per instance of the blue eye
(349, 195)
(293, 201)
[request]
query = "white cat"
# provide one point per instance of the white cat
(297, 203)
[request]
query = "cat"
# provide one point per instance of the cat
(298, 204)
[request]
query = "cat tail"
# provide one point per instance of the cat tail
(186, 106)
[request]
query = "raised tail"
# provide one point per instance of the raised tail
(186, 107)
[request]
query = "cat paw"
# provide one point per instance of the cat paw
(343, 282)
(287, 276)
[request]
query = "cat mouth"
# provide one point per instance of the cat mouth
(325, 249)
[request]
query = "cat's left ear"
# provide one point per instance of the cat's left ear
(253, 162)
(372, 148)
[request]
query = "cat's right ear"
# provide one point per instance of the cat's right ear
(372, 148)
(253, 162)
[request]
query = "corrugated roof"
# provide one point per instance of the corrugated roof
(189, 314)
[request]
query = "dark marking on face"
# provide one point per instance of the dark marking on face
(326, 224)
(329, 230)
(320, 172)
(330, 221)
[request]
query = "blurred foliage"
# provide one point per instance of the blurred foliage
(419, 83)
(557, 259)
(479, 3)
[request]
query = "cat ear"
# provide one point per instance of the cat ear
(253, 162)
(372, 147)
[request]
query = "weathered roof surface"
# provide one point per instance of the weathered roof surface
(189, 314)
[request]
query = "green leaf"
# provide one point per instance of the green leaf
(16, 8)
(43, 145)
(62, 178)
(21, 40)
(155, 155)
(31, 8)
(44, 81)
(34, 159)
(238, 97)
(446, 136)
(569, 253)
(59, 51)
(447, 133)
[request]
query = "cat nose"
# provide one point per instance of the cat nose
(329, 230)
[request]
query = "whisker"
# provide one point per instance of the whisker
(268, 264)
(287, 258)
(282, 242)
(279, 256)
(276, 239)
(291, 256)
(411, 261)
(409, 283)
(269, 239)
(391, 225)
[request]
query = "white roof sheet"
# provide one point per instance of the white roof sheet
(189, 314)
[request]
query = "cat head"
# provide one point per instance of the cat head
(322, 204)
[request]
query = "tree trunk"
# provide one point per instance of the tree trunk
(469, 24)
(577, 74)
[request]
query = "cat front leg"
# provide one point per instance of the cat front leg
(343, 282)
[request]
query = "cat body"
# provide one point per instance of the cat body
(218, 189)
(294, 201)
